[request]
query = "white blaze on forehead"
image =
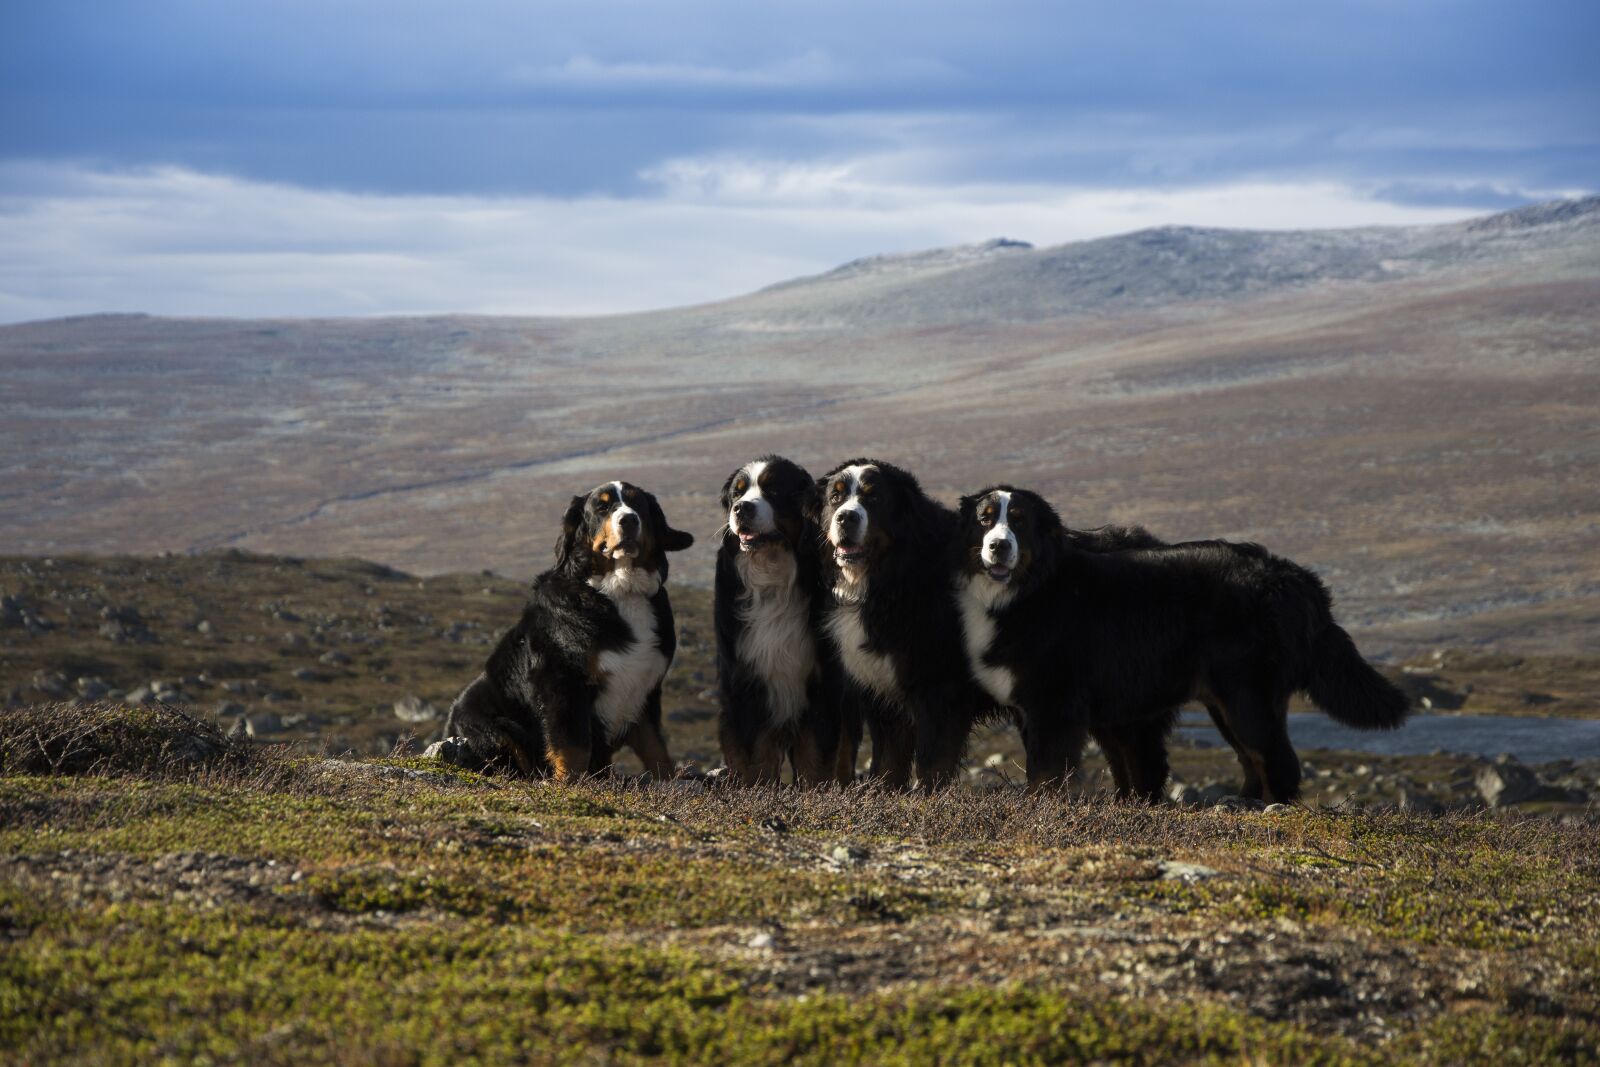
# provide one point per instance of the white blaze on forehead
(762, 520)
(851, 476)
(1000, 531)
(616, 515)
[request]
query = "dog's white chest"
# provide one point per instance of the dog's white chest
(776, 642)
(628, 674)
(978, 628)
(871, 670)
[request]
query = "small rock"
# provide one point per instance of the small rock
(848, 855)
(265, 722)
(762, 940)
(414, 709)
(140, 696)
(452, 750)
(334, 658)
(305, 674)
(1278, 809)
(1237, 803)
(1186, 795)
(1174, 871)
(204, 628)
(92, 688)
(241, 729)
(227, 709)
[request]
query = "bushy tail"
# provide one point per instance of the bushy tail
(1345, 686)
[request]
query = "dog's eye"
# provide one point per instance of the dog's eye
(740, 486)
(986, 519)
(1016, 513)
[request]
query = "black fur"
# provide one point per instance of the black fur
(1114, 642)
(907, 621)
(533, 709)
(769, 595)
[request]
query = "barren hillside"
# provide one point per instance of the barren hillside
(1410, 411)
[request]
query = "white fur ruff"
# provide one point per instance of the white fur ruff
(979, 598)
(776, 642)
(871, 670)
(628, 674)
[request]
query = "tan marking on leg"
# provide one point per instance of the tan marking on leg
(568, 763)
(651, 748)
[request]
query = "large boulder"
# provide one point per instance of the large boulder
(1505, 781)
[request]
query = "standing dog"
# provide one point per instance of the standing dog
(890, 618)
(781, 692)
(580, 675)
(1084, 640)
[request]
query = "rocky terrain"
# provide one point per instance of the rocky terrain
(1409, 411)
(345, 656)
(170, 893)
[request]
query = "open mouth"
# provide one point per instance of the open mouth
(749, 541)
(625, 550)
(999, 572)
(849, 555)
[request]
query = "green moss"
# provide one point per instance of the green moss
(137, 984)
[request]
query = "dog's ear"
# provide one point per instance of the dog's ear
(811, 501)
(671, 540)
(727, 491)
(569, 532)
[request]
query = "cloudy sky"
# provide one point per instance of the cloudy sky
(354, 158)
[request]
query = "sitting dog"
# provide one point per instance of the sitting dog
(780, 687)
(891, 620)
(580, 674)
(1083, 639)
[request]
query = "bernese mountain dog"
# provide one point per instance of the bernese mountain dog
(781, 688)
(890, 618)
(580, 674)
(1085, 638)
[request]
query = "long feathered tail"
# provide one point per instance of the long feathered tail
(1346, 686)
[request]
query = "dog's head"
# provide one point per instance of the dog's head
(616, 526)
(1009, 536)
(765, 503)
(871, 515)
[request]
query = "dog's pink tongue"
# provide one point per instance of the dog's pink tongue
(999, 573)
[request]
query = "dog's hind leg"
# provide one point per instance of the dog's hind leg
(1116, 754)
(1260, 735)
(1253, 784)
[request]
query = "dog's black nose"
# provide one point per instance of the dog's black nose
(744, 509)
(1000, 550)
(848, 520)
(628, 523)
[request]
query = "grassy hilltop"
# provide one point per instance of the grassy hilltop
(214, 900)
(171, 892)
